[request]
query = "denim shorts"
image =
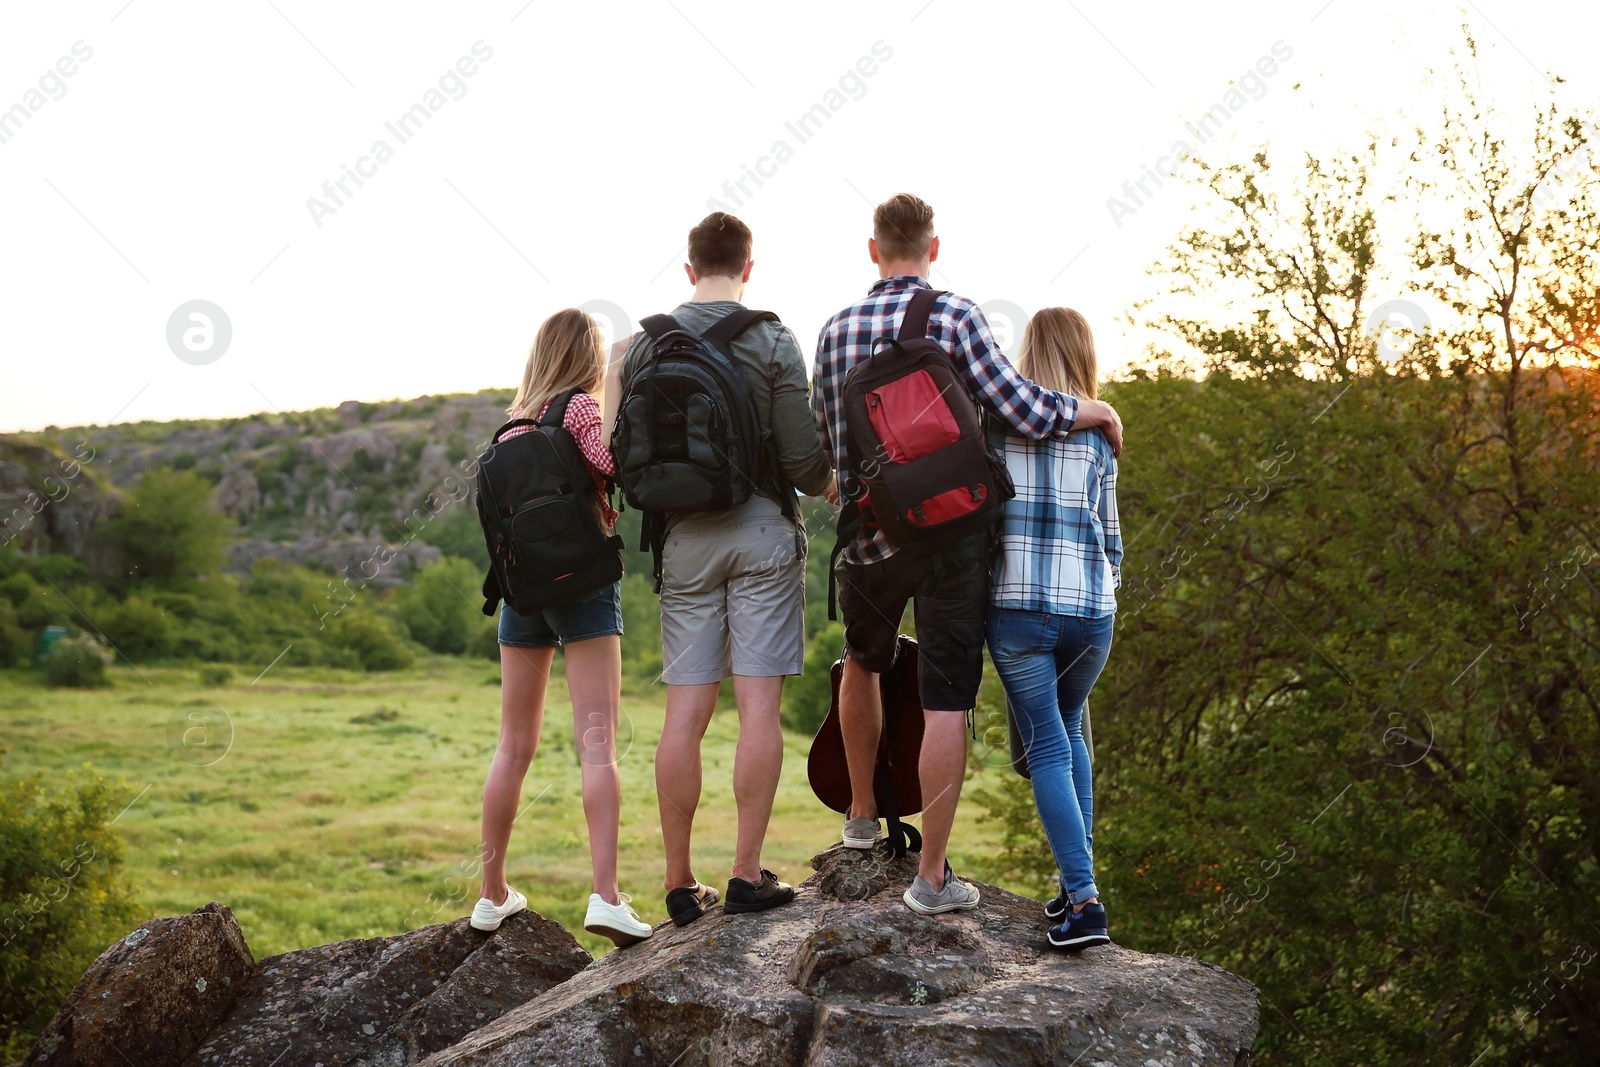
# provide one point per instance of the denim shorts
(598, 616)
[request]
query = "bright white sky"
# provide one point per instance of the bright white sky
(177, 163)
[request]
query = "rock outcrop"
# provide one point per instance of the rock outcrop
(184, 992)
(828, 983)
(51, 501)
(845, 976)
(152, 997)
(389, 1000)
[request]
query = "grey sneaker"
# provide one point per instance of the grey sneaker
(860, 833)
(955, 896)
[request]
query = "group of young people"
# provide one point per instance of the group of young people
(1035, 578)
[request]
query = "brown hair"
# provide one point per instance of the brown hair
(1058, 353)
(568, 353)
(719, 245)
(903, 227)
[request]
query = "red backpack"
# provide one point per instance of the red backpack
(916, 441)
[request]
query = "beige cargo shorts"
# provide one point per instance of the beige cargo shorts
(733, 595)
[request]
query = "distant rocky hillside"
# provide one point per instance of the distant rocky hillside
(325, 487)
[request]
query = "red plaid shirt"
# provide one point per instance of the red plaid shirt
(961, 330)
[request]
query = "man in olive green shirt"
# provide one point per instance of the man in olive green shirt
(732, 587)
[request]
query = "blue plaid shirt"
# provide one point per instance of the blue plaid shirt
(1060, 541)
(961, 330)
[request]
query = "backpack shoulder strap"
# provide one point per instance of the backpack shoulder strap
(495, 437)
(658, 326)
(557, 411)
(721, 336)
(914, 325)
(724, 330)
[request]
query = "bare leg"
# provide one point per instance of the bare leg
(860, 723)
(943, 766)
(594, 678)
(756, 765)
(689, 709)
(524, 673)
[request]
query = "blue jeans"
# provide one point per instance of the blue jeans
(1048, 664)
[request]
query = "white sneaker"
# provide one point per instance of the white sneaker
(488, 915)
(617, 921)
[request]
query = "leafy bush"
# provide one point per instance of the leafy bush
(15, 647)
(641, 627)
(77, 662)
(458, 534)
(806, 699)
(139, 628)
(214, 675)
(63, 896)
(35, 603)
(485, 641)
(441, 607)
(371, 640)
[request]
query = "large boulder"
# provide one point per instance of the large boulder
(389, 1000)
(847, 976)
(152, 997)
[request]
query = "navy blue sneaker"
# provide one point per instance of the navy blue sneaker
(1057, 908)
(1081, 929)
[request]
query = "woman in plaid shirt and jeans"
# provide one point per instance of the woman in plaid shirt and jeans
(1052, 606)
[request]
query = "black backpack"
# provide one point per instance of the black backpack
(688, 437)
(547, 544)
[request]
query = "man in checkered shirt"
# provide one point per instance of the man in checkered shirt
(947, 581)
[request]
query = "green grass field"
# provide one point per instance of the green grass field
(347, 804)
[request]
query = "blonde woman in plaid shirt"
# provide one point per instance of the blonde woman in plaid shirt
(1052, 607)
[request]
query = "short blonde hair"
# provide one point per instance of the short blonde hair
(1058, 353)
(568, 353)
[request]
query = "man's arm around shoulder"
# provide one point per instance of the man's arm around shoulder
(1097, 414)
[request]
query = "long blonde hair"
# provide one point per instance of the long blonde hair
(568, 353)
(1058, 353)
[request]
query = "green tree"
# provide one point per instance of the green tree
(1348, 743)
(169, 530)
